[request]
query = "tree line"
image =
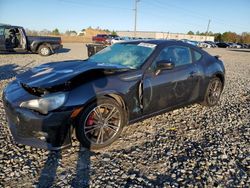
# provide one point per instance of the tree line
(218, 37)
(48, 32)
(56, 32)
(226, 36)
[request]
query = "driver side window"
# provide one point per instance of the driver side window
(179, 55)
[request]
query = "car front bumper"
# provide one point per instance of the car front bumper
(52, 131)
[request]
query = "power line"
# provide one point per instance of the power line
(159, 4)
(161, 14)
(194, 13)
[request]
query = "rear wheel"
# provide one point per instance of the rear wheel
(100, 124)
(44, 50)
(213, 92)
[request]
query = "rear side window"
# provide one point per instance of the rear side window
(1, 31)
(197, 56)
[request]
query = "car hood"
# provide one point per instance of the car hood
(54, 74)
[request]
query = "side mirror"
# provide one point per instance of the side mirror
(164, 65)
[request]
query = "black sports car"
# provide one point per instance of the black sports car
(222, 45)
(120, 85)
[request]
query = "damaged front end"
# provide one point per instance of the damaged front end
(40, 104)
(31, 124)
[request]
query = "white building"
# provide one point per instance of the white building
(164, 35)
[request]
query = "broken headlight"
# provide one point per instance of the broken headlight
(46, 103)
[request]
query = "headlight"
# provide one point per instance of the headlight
(46, 103)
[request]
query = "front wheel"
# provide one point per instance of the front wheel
(213, 92)
(44, 50)
(100, 124)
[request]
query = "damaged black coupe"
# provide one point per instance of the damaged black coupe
(97, 97)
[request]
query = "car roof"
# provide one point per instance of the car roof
(155, 41)
(162, 42)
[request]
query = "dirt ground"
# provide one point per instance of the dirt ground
(194, 146)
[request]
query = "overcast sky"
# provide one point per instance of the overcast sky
(176, 16)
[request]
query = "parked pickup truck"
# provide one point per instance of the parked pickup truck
(14, 39)
(103, 38)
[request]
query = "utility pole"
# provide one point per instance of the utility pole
(207, 28)
(135, 9)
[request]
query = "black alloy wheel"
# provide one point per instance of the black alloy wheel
(100, 124)
(213, 92)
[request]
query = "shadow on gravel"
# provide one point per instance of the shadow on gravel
(82, 176)
(80, 179)
(63, 50)
(11, 70)
(48, 173)
(8, 71)
(241, 51)
(15, 53)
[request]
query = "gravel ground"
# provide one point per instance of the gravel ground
(193, 146)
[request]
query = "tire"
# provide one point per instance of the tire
(213, 92)
(44, 50)
(100, 124)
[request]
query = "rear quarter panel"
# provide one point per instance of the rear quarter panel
(213, 67)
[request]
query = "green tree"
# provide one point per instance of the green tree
(113, 33)
(190, 33)
(107, 31)
(203, 33)
(210, 33)
(71, 33)
(218, 37)
(55, 32)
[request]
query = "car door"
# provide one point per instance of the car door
(168, 88)
(22, 39)
(2, 39)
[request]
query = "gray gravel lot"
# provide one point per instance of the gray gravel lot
(194, 146)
